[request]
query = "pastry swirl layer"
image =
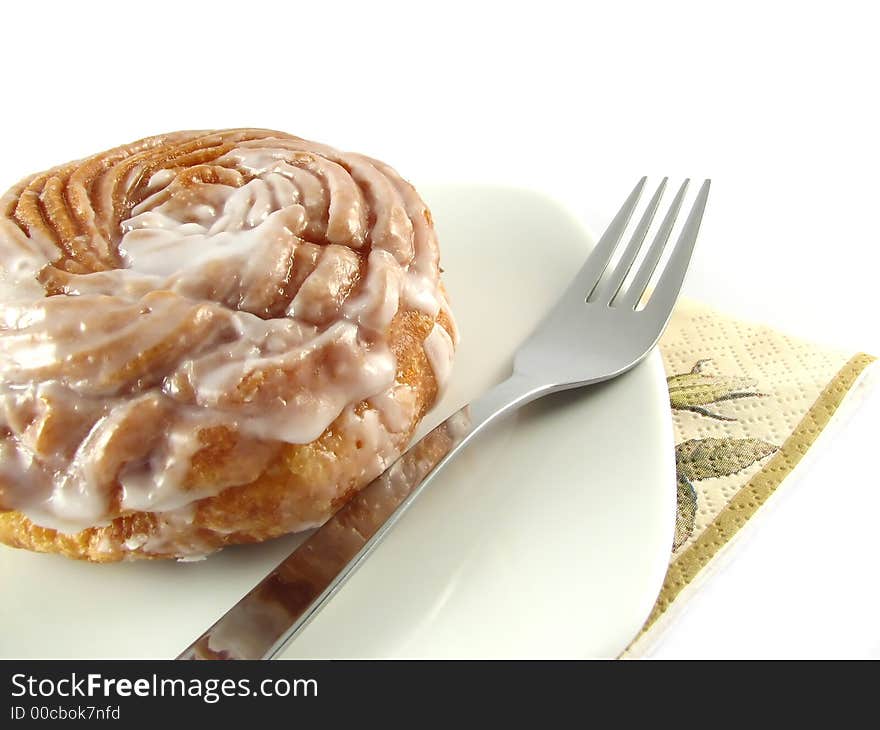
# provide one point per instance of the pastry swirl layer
(177, 310)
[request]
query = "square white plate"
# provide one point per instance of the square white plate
(548, 537)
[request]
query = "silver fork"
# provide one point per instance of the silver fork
(594, 333)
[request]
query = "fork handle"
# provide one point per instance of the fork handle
(262, 623)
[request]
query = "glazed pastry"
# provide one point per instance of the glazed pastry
(209, 338)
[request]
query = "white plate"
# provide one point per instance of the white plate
(547, 537)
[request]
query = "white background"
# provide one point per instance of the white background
(776, 102)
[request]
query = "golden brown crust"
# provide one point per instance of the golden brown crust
(261, 509)
(298, 484)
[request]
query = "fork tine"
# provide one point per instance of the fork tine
(665, 294)
(596, 263)
(630, 299)
(606, 291)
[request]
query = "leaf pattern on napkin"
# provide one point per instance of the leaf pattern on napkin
(686, 516)
(694, 390)
(708, 458)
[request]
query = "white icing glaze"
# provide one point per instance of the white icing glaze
(239, 300)
(440, 352)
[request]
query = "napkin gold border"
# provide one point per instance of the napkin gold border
(757, 490)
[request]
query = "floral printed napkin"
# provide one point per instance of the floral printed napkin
(747, 403)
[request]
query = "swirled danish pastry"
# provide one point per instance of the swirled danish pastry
(209, 338)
